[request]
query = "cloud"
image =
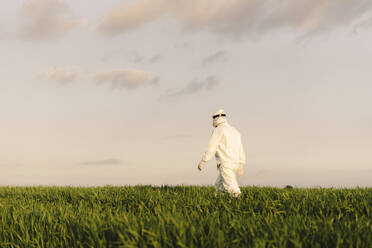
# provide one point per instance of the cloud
(217, 56)
(239, 17)
(131, 15)
(132, 56)
(126, 79)
(196, 86)
(363, 25)
(58, 75)
(111, 161)
(47, 20)
(155, 59)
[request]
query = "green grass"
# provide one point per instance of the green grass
(184, 216)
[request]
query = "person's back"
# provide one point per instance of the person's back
(230, 147)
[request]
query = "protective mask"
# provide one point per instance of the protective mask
(219, 120)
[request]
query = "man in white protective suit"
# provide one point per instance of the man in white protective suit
(227, 147)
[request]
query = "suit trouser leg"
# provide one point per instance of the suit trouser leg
(229, 182)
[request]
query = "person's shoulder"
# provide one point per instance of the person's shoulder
(235, 130)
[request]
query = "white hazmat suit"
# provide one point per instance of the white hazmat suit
(226, 145)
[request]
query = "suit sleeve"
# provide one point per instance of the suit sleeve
(213, 144)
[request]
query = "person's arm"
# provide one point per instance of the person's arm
(212, 147)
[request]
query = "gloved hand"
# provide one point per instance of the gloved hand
(240, 170)
(201, 164)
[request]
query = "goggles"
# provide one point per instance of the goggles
(215, 116)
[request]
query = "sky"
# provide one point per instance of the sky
(121, 92)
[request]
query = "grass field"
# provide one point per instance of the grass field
(184, 216)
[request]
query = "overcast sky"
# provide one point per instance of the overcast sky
(122, 92)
